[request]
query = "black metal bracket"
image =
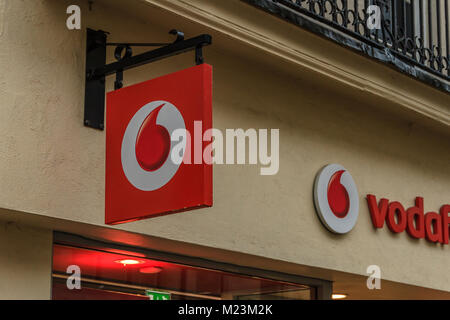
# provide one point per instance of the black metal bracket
(97, 70)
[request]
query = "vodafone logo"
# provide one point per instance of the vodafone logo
(146, 145)
(336, 198)
(148, 172)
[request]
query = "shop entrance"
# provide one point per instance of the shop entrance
(112, 271)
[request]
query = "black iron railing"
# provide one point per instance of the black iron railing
(412, 35)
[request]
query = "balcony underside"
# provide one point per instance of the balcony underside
(418, 45)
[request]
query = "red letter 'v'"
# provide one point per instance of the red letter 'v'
(377, 213)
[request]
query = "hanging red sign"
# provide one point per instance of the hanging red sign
(149, 170)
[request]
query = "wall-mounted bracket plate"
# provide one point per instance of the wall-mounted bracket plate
(94, 100)
(97, 70)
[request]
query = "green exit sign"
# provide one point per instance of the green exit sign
(157, 295)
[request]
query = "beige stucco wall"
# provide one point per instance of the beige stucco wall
(394, 141)
(25, 262)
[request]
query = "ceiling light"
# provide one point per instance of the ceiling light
(338, 296)
(150, 270)
(129, 261)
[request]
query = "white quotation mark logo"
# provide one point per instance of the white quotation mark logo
(374, 279)
(74, 280)
(146, 145)
(73, 22)
(374, 17)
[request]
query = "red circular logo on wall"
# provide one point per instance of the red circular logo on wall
(336, 198)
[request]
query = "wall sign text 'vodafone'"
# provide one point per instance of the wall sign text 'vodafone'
(432, 226)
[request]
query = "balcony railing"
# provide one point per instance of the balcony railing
(413, 35)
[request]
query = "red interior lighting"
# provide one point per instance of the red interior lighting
(129, 261)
